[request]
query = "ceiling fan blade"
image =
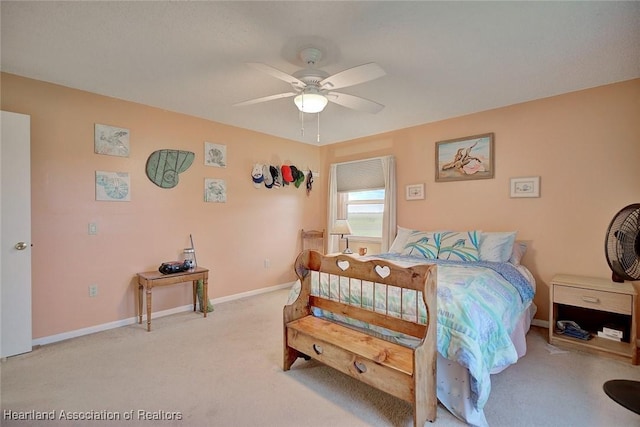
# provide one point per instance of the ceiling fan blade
(265, 99)
(355, 102)
(353, 76)
(294, 81)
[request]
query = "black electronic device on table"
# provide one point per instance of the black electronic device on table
(174, 267)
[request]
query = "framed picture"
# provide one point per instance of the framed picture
(528, 186)
(414, 192)
(215, 190)
(111, 140)
(465, 159)
(215, 155)
(113, 186)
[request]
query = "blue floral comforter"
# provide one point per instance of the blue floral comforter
(479, 305)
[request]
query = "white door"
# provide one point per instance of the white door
(15, 262)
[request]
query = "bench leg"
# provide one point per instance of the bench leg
(290, 356)
(425, 400)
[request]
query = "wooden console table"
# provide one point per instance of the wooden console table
(151, 279)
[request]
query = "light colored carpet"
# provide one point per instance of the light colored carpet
(226, 371)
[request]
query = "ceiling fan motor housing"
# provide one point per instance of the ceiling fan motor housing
(311, 77)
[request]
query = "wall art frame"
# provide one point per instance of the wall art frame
(526, 186)
(111, 140)
(465, 159)
(215, 190)
(113, 186)
(414, 192)
(215, 155)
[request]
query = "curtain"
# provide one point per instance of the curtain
(389, 215)
(332, 214)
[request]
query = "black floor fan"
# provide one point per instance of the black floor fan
(622, 248)
(622, 244)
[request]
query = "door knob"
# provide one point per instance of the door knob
(21, 246)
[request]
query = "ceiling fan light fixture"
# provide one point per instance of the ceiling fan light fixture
(310, 102)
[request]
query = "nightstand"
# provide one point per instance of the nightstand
(593, 303)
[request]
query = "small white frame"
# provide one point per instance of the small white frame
(526, 186)
(414, 192)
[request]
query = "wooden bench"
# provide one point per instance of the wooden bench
(405, 372)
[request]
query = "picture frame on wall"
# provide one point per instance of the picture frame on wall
(215, 155)
(465, 159)
(113, 186)
(111, 140)
(414, 192)
(215, 190)
(526, 186)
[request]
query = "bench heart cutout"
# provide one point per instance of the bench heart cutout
(343, 265)
(382, 271)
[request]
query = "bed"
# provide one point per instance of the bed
(485, 307)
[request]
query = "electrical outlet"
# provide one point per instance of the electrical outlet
(93, 290)
(267, 263)
(93, 228)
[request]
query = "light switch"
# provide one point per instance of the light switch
(93, 228)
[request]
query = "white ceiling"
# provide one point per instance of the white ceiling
(442, 59)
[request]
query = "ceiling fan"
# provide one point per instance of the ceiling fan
(314, 88)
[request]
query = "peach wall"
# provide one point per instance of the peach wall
(232, 239)
(585, 146)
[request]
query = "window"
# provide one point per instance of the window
(363, 192)
(364, 212)
(361, 200)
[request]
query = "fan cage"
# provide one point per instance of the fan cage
(622, 244)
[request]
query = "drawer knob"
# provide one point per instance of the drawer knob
(591, 299)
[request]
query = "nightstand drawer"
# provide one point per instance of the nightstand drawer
(593, 299)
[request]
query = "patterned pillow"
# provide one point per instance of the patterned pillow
(459, 245)
(422, 243)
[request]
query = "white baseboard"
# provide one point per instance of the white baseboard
(131, 320)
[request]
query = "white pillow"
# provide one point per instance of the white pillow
(497, 246)
(401, 239)
(518, 251)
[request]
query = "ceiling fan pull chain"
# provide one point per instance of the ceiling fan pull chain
(318, 139)
(302, 117)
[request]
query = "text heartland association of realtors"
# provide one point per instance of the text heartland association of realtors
(138, 415)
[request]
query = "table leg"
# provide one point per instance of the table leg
(195, 290)
(139, 303)
(205, 295)
(148, 308)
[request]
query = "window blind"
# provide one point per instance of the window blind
(359, 175)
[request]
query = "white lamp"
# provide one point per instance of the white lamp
(310, 102)
(342, 227)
